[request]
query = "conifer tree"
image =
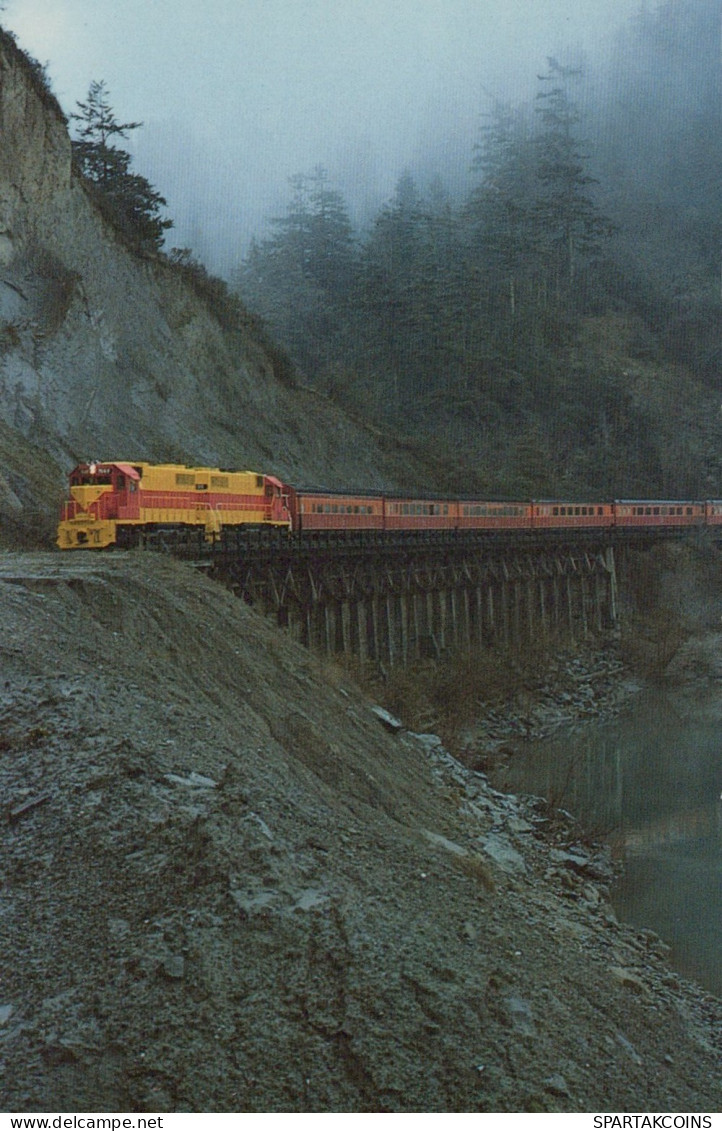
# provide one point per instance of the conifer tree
(300, 278)
(390, 283)
(569, 226)
(500, 210)
(127, 198)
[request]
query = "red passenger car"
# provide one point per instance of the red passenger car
(329, 510)
(421, 514)
(483, 515)
(555, 515)
(644, 513)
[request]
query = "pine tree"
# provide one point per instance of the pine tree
(569, 226)
(315, 234)
(331, 241)
(500, 210)
(300, 278)
(390, 284)
(127, 198)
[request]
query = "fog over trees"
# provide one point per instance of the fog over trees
(599, 200)
(548, 310)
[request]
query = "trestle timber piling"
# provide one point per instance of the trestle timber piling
(397, 600)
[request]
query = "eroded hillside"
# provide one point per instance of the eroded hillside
(227, 887)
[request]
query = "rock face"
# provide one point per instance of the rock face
(106, 354)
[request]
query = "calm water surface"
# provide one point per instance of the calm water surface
(649, 783)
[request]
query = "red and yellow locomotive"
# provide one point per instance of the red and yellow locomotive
(118, 504)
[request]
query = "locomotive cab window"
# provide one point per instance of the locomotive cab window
(85, 479)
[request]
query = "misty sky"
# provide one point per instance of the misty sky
(238, 95)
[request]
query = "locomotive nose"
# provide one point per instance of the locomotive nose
(69, 536)
(74, 534)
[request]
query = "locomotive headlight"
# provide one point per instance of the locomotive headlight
(92, 467)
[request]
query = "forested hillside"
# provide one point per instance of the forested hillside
(560, 324)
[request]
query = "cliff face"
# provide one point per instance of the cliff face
(104, 353)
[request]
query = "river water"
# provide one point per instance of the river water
(649, 784)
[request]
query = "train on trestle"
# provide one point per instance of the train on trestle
(123, 504)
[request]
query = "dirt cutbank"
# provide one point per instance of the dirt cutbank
(227, 886)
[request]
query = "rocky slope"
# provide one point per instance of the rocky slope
(104, 353)
(228, 886)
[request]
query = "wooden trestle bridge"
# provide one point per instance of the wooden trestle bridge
(394, 599)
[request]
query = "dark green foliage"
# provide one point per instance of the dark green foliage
(442, 308)
(390, 277)
(500, 208)
(660, 156)
(538, 322)
(567, 223)
(300, 279)
(126, 198)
